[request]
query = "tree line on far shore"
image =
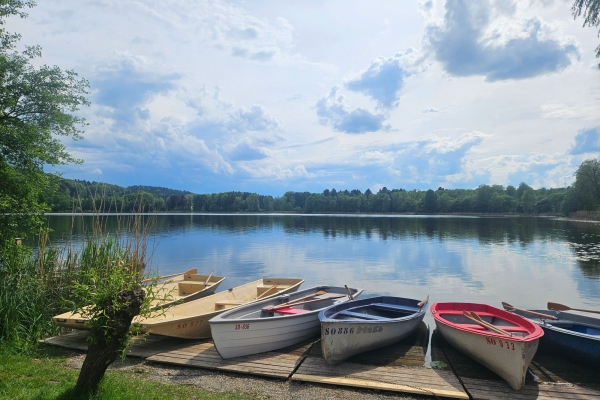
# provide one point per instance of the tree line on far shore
(584, 195)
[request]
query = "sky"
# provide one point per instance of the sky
(272, 96)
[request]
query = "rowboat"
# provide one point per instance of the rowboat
(357, 326)
(502, 341)
(190, 320)
(167, 290)
(573, 336)
(274, 323)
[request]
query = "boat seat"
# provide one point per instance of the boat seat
(229, 302)
(362, 316)
(290, 311)
(395, 307)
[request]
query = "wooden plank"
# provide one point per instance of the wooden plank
(275, 364)
(366, 384)
(399, 368)
(558, 378)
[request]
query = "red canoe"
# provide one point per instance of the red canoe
(500, 340)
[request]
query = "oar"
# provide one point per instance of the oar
(508, 307)
(208, 279)
(476, 318)
(188, 272)
(422, 303)
(267, 291)
(305, 302)
(318, 293)
(349, 292)
(562, 307)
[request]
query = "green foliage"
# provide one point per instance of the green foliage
(37, 105)
(31, 288)
(591, 15)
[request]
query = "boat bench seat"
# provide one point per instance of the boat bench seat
(395, 307)
(362, 316)
(290, 311)
(189, 287)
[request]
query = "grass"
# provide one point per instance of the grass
(43, 376)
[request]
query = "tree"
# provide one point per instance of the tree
(430, 201)
(36, 108)
(590, 10)
(587, 185)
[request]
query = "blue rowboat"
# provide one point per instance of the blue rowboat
(573, 336)
(357, 326)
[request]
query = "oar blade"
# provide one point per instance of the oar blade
(557, 307)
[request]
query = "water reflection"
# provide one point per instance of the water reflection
(519, 260)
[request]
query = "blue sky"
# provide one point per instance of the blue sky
(271, 96)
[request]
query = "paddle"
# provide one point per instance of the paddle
(305, 302)
(318, 293)
(508, 307)
(349, 292)
(208, 279)
(476, 318)
(267, 291)
(562, 307)
(422, 303)
(188, 272)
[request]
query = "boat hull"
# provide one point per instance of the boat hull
(580, 345)
(235, 335)
(341, 339)
(507, 358)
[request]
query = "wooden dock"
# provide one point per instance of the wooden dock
(398, 368)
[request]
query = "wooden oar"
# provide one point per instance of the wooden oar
(267, 291)
(508, 307)
(476, 318)
(318, 293)
(422, 303)
(305, 302)
(188, 272)
(208, 279)
(349, 292)
(562, 307)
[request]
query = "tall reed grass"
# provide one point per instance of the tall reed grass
(36, 284)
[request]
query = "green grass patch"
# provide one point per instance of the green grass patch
(43, 376)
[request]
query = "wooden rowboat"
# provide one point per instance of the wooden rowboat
(168, 290)
(190, 320)
(502, 341)
(357, 326)
(275, 323)
(573, 336)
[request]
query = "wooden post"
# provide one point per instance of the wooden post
(18, 241)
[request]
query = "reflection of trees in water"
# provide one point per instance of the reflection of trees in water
(583, 237)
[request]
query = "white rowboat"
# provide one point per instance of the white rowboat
(275, 323)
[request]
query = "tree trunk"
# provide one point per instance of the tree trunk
(108, 342)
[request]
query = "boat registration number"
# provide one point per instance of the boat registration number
(191, 324)
(502, 343)
(241, 326)
(351, 331)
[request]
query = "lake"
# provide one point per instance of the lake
(523, 261)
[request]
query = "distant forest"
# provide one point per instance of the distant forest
(84, 196)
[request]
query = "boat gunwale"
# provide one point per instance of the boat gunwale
(537, 331)
(549, 325)
(223, 318)
(366, 302)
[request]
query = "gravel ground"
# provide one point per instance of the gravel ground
(264, 388)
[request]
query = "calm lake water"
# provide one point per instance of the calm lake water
(523, 261)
